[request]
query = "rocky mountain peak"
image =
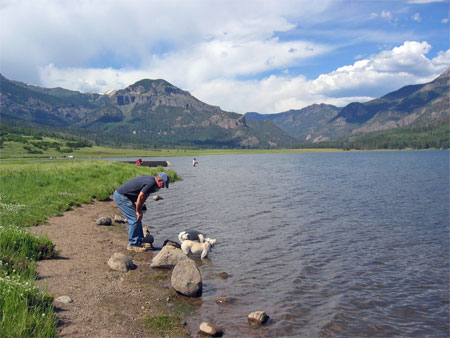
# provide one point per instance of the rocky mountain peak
(153, 93)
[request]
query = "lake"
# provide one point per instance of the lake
(344, 244)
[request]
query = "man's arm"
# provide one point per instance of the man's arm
(139, 203)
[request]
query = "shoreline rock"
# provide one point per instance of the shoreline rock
(121, 262)
(210, 330)
(168, 257)
(186, 279)
(257, 318)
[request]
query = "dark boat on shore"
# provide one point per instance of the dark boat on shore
(151, 163)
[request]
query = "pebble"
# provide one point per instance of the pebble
(64, 299)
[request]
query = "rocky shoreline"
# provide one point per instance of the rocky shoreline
(100, 288)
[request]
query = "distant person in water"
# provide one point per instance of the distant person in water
(139, 162)
(130, 198)
(194, 162)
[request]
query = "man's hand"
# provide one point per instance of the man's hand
(139, 215)
(139, 203)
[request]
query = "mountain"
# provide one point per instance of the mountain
(151, 112)
(310, 124)
(414, 106)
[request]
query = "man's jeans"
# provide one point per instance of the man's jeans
(128, 208)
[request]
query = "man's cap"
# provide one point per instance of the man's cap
(165, 178)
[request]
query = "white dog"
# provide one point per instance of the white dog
(189, 246)
(192, 235)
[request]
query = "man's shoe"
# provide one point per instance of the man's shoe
(148, 239)
(148, 246)
(137, 248)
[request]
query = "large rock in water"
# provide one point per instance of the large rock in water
(186, 279)
(257, 318)
(168, 257)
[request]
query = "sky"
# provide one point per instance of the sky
(265, 56)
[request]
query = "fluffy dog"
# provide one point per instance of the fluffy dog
(189, 246)
(192, 235)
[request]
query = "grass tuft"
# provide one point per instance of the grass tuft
(164, 325)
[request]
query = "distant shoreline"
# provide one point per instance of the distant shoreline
(99, 153)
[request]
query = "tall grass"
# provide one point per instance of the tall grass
(32, 191)
(29, 193)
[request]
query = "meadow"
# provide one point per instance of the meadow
(26, 147)
(30, 192)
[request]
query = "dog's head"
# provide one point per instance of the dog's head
(182, 236)
(211, 241)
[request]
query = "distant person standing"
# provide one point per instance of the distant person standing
(130, 198)
(139, 162)
(194, 162)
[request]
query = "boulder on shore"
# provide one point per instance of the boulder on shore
(121, 262)
(168, 257)
(210, 330)
(119, 219)
(186, 279)
(103, 221)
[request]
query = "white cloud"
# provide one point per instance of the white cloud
(99, 80)
(444, 20)
(386, 15)
(196, 38)
(388, 71)
(424, 1)
(189, 68)
(442, 60)
(377, 76)
(416, 17)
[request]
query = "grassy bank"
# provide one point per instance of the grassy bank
(21, 146)
(29, 193)
(11, 151)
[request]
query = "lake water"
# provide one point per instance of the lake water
(327, 244)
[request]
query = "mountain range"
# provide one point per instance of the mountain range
(156, 113)
(422, 105)
(149, 112)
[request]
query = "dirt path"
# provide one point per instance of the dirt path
(106, 303)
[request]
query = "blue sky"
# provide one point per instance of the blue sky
(263, 56)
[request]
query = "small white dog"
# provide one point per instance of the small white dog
(192, 235)
(189, 246)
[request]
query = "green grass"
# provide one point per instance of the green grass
(30, 192)
(13, 150)
(25, 311)
(160, 277)
(164, 325)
